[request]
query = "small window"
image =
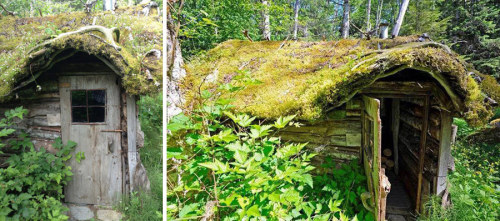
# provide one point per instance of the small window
(88, 106)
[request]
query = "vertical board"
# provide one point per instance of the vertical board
(131, 136)
(444, 151)
(377, 181)
(97, 179)
(395, 133)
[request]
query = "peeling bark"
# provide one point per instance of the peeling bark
(175, 70)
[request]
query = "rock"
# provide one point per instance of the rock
(80, 212)
(108, 215)
(393, 217)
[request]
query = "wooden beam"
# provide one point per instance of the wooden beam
(444, 151)
(395, 133)
(423, 138)
(398, 87)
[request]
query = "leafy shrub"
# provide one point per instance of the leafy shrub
(31, 187)
(347, 182)
(229, 167)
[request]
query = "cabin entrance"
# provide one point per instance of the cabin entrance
(90, 116)
(406, 140)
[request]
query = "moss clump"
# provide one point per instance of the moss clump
(306, 78)
(139, 35)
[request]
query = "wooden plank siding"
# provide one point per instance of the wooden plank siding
(337, 136)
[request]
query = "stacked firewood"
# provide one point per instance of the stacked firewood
(387, 161)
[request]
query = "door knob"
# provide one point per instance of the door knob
(110, 145)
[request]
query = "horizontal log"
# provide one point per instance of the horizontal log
(416, 123)
(389, 163)
(418, 111)
(387, 152)
(417, 101)
(312, 129)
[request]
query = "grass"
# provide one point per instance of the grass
(147, 205)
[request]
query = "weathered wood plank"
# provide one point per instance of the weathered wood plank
(423, 139)
(395, 133)
(444, 151)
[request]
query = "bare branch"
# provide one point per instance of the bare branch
(8, 12)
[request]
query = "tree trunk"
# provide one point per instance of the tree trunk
(296, 17)
(345, 21)
(108, 5)
(401, 15)
(266, 26)
(379, 14)
(175, 66)
(368, 11)
(335, 14)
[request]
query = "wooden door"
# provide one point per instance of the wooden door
(90, 116)
(378, 183)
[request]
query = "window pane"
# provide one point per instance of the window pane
(96, 114)
(78, 98)
(97, 97)
(79, 114)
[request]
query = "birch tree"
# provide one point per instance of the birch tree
(345, 21)
(399, 21)
(368, 11)
(108, 5)
(296, 18)
(379, 15)
(266, 26)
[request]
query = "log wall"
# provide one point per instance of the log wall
(337, 136)
(411, 122)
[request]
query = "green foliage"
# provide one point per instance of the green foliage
(424, 16)
(143, 205)
(346, 183)
(474, 185)
(231, 167)
(474, 31)
(32, 184)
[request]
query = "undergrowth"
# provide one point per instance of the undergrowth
(474, 185)
(144, 205)
(31, 186)
(225, 166)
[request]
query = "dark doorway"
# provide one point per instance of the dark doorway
(398, 200)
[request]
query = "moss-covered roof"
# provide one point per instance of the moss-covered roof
(21, 60)
(307, 78)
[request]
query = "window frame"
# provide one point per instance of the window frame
(87, 106)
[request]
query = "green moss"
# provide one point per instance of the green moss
(138, 35)
(306, 78)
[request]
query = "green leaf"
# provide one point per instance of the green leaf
(240, 156)
(205, 94)
(253, 211)
(188, 209)
(283, 121)
(243, 201)
(79, 156)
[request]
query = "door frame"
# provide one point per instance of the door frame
(421, 90)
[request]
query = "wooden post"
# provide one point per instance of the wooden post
(395, 133)
(444, 151)
(423, 138)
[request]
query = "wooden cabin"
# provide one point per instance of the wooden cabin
(389, 104)
(83, 86)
